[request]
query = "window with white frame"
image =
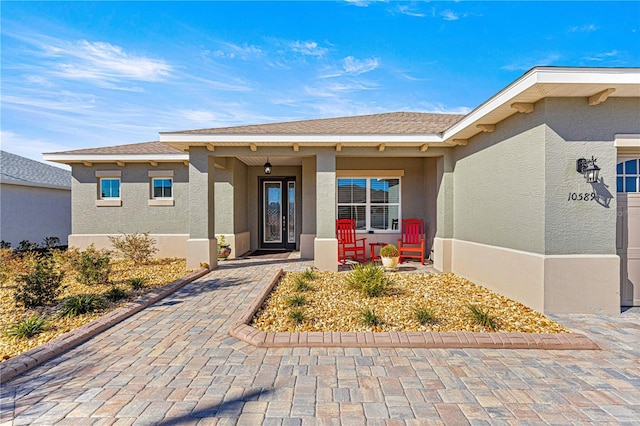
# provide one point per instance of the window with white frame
(109, 188)
(373, 202)
(628, 175)
(162, 188)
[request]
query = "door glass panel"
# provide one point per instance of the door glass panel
(272, 211)
(630, 184)
(291, 219)
(631, 167)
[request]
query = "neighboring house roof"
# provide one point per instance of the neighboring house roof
(389, 123)
(18, 170)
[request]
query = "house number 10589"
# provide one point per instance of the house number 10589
(581, 196)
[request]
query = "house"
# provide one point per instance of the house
(35, 200)
(534, 193)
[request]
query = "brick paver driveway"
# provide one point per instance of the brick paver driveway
(175, 364)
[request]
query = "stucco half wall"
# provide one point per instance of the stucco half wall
(168, 245)
(546, 283)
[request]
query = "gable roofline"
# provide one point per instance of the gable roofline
(22, 171)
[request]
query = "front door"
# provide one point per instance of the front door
(629, 248)
(278, 213)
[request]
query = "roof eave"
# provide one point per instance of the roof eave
(111, 158)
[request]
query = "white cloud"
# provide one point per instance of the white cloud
(30, 147)
(364, 3)
(450, 15)
(309, 48)
(406, 10)
(599, 57)
(528, 63)
(233, 51)
(439, 108)
(583, 29)
(352, 65)
(98, 61)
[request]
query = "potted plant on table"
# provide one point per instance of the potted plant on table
(224, 249)
(390, 256)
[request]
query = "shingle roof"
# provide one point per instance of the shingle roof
(401, 123)
(134, 148)
(21, 170)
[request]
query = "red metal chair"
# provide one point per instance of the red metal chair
(348, 245)
(411, 245)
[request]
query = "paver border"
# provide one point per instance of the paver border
(54, 347)
(243, 331)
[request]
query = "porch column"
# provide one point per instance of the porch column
(442, 243)
(202, 244)
(325, 244)
(308, 185)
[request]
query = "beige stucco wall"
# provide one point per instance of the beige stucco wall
(34, 213)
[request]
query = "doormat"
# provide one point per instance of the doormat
(270, 254)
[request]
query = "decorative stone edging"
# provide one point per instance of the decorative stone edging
(462, 339)
(36, 356)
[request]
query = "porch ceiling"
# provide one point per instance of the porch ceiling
(275, 161)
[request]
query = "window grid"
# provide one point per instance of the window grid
(628, 176)
(375, 210)
(109, 188)
(162, 188)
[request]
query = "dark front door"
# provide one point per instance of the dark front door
(278, 213)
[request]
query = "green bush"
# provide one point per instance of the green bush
(74, 306)
(27, 328)
(297, 315)
(137, 283)
(369, 317)
(296, 300)
(483, 317)
(114, 294)
(93, 266)
(308, 274)
(389, 251)
(26, 245)
(39, 287)
(139, 248)
(368, 279)
(301, 284)
(423, 315)
(5, 244)
(51, 242)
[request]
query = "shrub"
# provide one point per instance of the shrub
(39, 287)
(297, 315)
(301, 284)
(74, 306)
(308, 274)
(51, 242)
(137, 283)
(27, 328)
(482, 317)
(423, 315)
(5, 244)
(369, 317)
(136, 247)
(296, 300)
(389, 251)
(92, 266)
(368, 279)
(115, 293)
(26, 245)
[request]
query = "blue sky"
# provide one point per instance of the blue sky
(87, 74)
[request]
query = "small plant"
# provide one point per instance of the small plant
(74, 306)
(368, 279)
(39, 287)
(301, 284)
(92, 266)
(137, 283)
(482, 317)
(136, 247)
(298, 300)
(26, 245)
(51, 242)
(308, 274)
(423, 315)
(27, 328)
(5, 244)
(369, 317)
(389, 251)
(115, 293)
(297, 315)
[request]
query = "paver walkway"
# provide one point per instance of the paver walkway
(175, 364)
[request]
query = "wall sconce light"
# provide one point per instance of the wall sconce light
(267, 167)
(588, 168)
